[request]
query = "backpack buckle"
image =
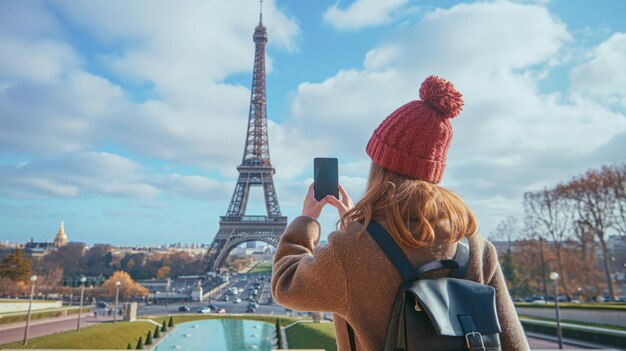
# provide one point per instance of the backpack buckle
(471, 341)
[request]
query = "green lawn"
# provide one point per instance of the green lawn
(312, 336)
(23, 301)
(262, 268)
(99, 336)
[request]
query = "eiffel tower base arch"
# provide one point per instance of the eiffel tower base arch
(236, 231)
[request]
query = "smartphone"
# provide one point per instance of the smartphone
(325, 177)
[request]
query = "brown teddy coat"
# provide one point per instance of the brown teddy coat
(352, 277)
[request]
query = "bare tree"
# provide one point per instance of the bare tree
(592, 199)
(506, 230)
(551, 214)
(531, 233)
(616, 182)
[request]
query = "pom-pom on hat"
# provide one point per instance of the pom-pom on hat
(414, 139)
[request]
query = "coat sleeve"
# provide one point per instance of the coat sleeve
(307, 277)
(512, 337)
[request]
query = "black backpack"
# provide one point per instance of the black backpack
(445, 314)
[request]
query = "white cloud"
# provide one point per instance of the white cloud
(38, 60)
(363, 13)
(102, 173)
(194, 186)
(75, 174)
(180, 47)
(603, 76)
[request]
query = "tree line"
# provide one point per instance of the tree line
(563, 229)
(62, 268)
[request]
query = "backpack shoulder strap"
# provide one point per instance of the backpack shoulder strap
(404, 266)
(462, 258)
(391, 249)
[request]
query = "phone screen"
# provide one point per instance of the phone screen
(325, 177)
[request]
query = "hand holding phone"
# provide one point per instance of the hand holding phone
(325, 177)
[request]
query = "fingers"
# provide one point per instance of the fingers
(335, 202)
(345, 198)
(311, 189)
(342, 191)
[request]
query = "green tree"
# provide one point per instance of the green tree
(129, 347)
(97, 260)
(15, 266)
(139, 344)
(509, 271)
(149, 338)
(164, 326)
(157, 334)
(171, 322)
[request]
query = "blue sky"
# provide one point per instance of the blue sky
(127, 120)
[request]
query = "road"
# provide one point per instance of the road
(243, 283)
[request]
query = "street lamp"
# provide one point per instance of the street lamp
(33, 279)
(554, 276)
(117, 295)
(167, 290)
(82, 294)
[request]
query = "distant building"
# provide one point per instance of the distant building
(61, 238)
(617, 243)
(197, 293)
(39, 249)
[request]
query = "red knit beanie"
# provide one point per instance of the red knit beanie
(414, 139)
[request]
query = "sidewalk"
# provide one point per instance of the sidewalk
(12, 332)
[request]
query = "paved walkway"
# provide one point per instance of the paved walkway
(549, 342)
(15, 331)
(540, 344)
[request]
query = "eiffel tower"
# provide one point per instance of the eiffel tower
(255, 170)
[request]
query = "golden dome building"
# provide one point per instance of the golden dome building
(61, 238)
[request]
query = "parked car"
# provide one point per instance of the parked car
(205, 310)
(221, 311)
(251, 310)
(237, 301)
(226, 298)
(103, 305)
(212, 306)
(184, 309)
